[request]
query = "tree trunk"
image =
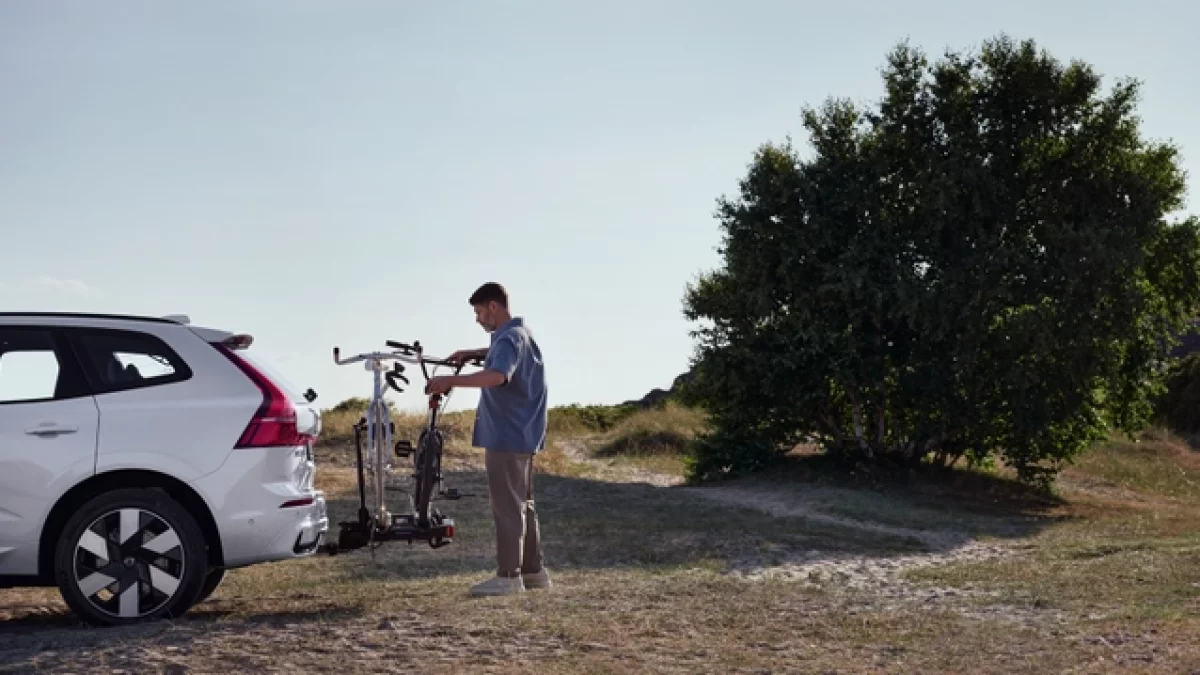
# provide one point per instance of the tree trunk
(880, 418)
(859, 430)
(831, 425)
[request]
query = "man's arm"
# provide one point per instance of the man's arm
(497, 372)
(468, 354)
(483, 379)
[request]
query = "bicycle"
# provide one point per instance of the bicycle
(425, 521)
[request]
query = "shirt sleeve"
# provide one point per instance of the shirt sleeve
(502, 358)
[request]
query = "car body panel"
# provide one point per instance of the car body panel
(34, 470)
(186, 427)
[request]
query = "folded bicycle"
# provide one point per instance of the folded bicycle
(378, 524)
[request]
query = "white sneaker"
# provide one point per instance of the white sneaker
(498, 586)
(539, 579)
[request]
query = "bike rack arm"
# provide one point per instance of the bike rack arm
(377, 356)
(446, 362)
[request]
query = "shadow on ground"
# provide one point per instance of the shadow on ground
(44, 619)
(596, 526)
(599, 525)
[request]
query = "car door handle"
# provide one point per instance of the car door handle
(50, 432)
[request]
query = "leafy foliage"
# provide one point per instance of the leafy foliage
(982, 265)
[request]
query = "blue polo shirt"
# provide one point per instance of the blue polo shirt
(512, 416)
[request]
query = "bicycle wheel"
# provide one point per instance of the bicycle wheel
(428, 461)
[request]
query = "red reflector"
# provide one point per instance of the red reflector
(307, 501)
(449, 530)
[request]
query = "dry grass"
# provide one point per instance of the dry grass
(666, 431)
(338, 426)
(652, 440)
(972, 575)
(1155, 464)
(1129, 546)
(336, 445)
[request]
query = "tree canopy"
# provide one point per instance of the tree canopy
(984, 263)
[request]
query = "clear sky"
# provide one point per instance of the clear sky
(342, 173)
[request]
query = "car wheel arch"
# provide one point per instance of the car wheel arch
(126, 478)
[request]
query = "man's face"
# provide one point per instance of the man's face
(486, 315)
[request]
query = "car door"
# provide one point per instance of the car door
(48, 425)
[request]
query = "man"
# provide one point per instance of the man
(510, 425)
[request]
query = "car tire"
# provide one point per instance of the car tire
(130, 556)
(211, 583)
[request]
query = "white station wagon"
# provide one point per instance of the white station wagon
(141, 458)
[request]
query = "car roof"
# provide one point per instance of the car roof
(87, 315)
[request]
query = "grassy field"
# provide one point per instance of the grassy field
(789, 571)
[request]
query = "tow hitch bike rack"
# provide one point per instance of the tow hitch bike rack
(377, 524)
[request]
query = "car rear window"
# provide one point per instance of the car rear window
(120, 360)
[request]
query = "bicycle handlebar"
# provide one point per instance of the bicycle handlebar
(407, 349)
(406, 358)
(416, 348)
(378, 356)
(413, 354)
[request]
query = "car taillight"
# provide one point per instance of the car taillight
(274, 424)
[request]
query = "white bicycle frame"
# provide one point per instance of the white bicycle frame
(379, 418)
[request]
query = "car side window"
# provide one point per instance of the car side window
(119, 360)
(34, 368)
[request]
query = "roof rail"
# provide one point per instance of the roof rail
(87, 315)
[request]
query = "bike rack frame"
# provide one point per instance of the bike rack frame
(377, 524)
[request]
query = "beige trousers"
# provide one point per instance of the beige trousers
(510, 487)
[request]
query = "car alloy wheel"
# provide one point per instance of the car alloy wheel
(129, 563)
(131, 555)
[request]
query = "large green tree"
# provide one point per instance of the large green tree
(984, 263)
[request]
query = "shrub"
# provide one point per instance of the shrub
(980, 265)
(665, 430)
(587, 418)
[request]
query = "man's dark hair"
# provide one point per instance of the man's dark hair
(491, 291)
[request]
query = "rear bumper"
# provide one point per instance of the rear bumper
(288, 532)
(305, 532)
(265, 505)
(314, 529)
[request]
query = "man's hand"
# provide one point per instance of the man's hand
(439, 385)
(463, 355)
